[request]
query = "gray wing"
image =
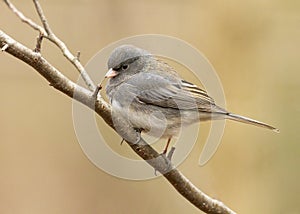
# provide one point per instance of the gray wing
(170, 93)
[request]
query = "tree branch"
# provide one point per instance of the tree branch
(86, 97)
(47, 33)
(42, 17)
(25, 19)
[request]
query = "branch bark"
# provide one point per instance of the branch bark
(103, 109)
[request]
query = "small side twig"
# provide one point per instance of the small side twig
(46, 32)
(38, 46)
(97, 89)
(4, 47)
(78, 56)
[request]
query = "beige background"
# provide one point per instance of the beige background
(254, 46)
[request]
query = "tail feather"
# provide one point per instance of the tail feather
(250, 121)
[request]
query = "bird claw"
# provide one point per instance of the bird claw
(170, 154)
(168, 159)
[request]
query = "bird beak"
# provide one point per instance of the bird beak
(111, 73)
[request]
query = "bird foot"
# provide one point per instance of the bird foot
(170, 154)
(167, 158)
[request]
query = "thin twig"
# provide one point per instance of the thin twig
(62, 46)
(95, 93)
(42, 17)
(5, 46)
(25, 19)
(38, 45)
(46, 32)
(78, 55)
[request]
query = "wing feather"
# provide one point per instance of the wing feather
(170, 93)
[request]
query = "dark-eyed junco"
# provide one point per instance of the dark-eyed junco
(153, 98)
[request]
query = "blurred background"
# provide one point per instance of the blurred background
(254, 47)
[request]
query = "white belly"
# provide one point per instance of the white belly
(157, 122)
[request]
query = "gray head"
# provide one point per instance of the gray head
(123, 54)
(124, 62)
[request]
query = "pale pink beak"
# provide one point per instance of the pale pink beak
(111, 73)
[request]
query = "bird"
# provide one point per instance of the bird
(152, 97)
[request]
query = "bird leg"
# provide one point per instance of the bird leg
(171, 152)
(167, 156)
(167, 145)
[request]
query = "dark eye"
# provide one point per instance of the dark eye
(125, 67)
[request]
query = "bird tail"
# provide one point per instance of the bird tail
(250, 121)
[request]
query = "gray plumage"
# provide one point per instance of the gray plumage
(154, 98)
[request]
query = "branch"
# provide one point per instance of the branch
(47, 33)
(25, 19)
(53, 38)
(86, 97)
(42, 17)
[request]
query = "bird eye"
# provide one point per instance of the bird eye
(125, 67)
